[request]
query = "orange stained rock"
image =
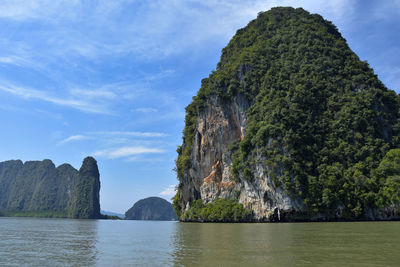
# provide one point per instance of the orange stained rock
(215, 176)
(215, 169)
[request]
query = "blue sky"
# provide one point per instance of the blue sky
(111, 79)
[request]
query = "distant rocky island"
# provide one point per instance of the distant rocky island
(38, 188)
(152, 208)
(291, 126)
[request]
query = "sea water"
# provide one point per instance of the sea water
(65, 242)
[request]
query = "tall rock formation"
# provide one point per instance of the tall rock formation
(86, 201)
(38, 188)
(292, 124)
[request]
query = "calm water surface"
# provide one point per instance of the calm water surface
(62, 242)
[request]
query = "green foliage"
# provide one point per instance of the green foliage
(177, 203)
(221, 210)
(388, 175)
(320, 118)
(183, 160)
(85, 203)
(248, 175)
(390, 164)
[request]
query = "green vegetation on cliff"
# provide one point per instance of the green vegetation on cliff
(177, 203)
(39, 189)
(324, 126)
(151, 208)
(388, 176)
(221, 210)
(86, 201)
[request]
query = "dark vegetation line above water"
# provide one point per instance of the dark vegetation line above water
(321, 125)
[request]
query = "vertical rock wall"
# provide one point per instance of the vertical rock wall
(219, 125)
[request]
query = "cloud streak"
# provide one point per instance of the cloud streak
(73, 138)
(15, 60)
(158, 29)
(45, 96)
(112, 138)
(169, 191)
(131, 133)
(146, 110)
(127, 151)
(92, 93)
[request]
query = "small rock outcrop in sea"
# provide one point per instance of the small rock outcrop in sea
(152, 208)
(38, 188)
(292, 126)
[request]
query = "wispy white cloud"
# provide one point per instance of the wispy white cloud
(169, 27)
(158, 29)
(169, 191)
(140, 158)
(113, 138)
(92, 93)
(73, 138)
(120, 144)
(15, 60)
(45, 96)
(131, 133)
(127, 151)
(37, 9)
(159, 75)
(146, 110)
(385, 10)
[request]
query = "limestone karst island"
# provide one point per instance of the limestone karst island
(200, 133)
(291, 126)
(38, 188)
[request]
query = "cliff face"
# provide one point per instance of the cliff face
(152, 208)
(85, 202)
(39, 188)
(293, 125)
(219, 125)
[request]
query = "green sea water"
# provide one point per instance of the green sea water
(63, 242)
